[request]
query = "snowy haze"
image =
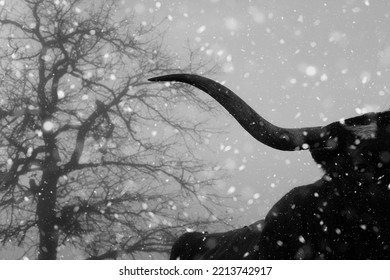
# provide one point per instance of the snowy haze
(298, 63)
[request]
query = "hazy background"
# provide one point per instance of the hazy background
(298, 63)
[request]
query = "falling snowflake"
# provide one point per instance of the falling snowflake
(46, 58)
(324, 78)
(231, 190)
(365, 77)
(48, 126)
(310, 71)
(29, 151)
(201, 29)
(60, 94)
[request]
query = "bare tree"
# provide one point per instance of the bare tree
(93, 156)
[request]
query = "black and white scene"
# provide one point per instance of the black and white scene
(194, 130)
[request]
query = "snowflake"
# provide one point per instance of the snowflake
(48, 126)
(201, 29)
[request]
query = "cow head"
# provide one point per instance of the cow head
(356, 148)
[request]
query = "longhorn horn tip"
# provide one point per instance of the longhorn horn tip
(154, 79)
(170, 78)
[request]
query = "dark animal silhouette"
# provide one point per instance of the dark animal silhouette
(231, 245)
(345, 214)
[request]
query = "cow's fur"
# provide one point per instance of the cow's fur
(235, 244)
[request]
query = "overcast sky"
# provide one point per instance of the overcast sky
(297, 62)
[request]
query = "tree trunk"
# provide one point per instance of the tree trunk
(48, 230)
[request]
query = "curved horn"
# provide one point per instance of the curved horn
(286, 139)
